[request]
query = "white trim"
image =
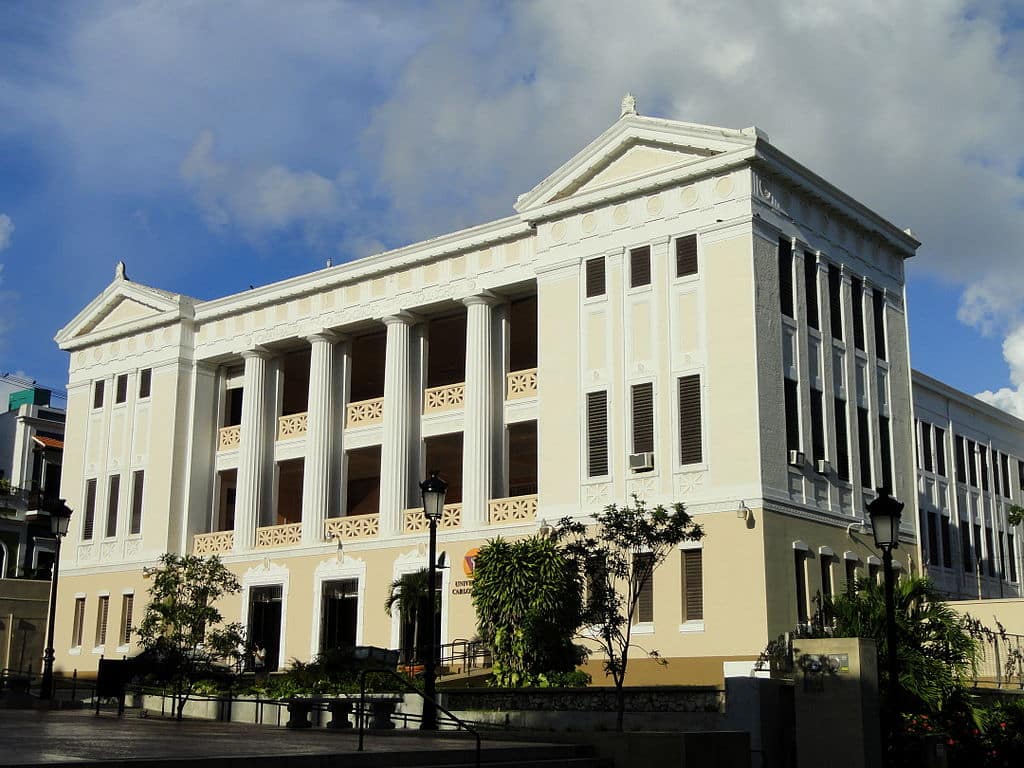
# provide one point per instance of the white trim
(801, 546)
(689, 627)
(825, 551)
(851, 555)
(267, 574)
(643, 628)
(337, 569)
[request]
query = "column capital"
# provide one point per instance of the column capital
(400, 318)
(325, 334)
(257, 352)
(486, 298)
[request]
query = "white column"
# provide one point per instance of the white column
(316, 478)
(252, 454)
(477, 431)
(394, 451)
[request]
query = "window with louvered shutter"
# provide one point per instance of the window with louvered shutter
(693, 584)
(835, 300)
(864, 447)
(597, 434)
(78, 623)
(857, 297)
(101, 620)
(811, 289)
(642, 565)
(842, 441)
(114, 491)
(686, 256)
(138, 482)
(691, 448)
(879, 314)
(786, 277)
(595, 277)
(817, 424)
(90, 510)
(640, 267)
(792, 415)
(643, 418)
(885, 443)
(127, 607)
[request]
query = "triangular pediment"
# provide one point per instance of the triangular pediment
(123, 311)
(635, 148)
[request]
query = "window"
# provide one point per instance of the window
(78, 623)
(800, 561)
(595, 277)
(138, 480)
(686, 256)
(873, 571)
(97, 394)
(842, 441)
(1020, 473)
(1013, 556)
(786, 277)
(121, 388)
(947, 550)
(926, 446)
(811, 289)
(990, 552)
(995, 471)
(885, 443)
(112, 499)
(127, 605)
(835, 301)
(643, 576)
(693, 584)
(851, 576)
(1002, 556)
(691, 446)
(1006, 475)
(817, 425)
(145, 380)
(792, 415)
(857, 297)
(965, 547)
(933, 539)
(864, 447)
(878, 301)
(977, 547)
(643, 418)
(826, 577)
(339, 614)
(90, 510)
(640, 267)
(940, 452)
(961, 466)
(101, 620)
(597, 434)
(983, 455)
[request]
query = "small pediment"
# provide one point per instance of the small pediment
(123, 311)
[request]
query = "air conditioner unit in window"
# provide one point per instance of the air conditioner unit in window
(641, 462)
(822, 467)
(796, 458)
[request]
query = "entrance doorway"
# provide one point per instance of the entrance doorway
(265, 622)
(339, 614)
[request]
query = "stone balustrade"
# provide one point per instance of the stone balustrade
(521, 384)
(362, 413)
(216, 543)
(229, 438)
(416, 521)
(278, 535)
(512, 510)
(450, 397)
(292, 426)
(354, 527)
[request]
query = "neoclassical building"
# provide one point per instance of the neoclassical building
(680, 312)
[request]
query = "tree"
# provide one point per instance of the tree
(617, 558)
(409, 594)
(528, 607)
(182, 628)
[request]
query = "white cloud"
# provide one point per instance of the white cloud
(1011, 398)
(6, 230)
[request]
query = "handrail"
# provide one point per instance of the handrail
(414, 689)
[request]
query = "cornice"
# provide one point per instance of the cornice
(924, 381)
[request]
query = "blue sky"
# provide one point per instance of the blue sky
(213, 146)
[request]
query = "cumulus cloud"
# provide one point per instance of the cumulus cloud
(6, 230)
(1011, 399)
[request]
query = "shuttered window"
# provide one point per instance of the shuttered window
(792, 415)
(597, 434)
(693, 584)
(643, 418)
(138, 481)
(842, 441)
(835, 300)
(940, 451)
(961, 466)
(857, 298)
(114, 491)
(640, 266)
(879, 314)
(90, 510)
(686, 256)
(595, 277)
(97, 394)
(121, 390)
(864, 447)
(786, 277)
(691, 447)
(127, 607)
(78, 622)
(102, 609)
(799, 562)
(811, 289)
(885, 443)
(145, 380)
(817, 425)
(643, 579)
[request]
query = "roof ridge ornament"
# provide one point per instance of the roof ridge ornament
(628, 105)
(119, 271)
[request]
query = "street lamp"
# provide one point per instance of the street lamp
(60, 518)
(885, 524)
(433, 490)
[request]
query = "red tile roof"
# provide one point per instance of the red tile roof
(49, 442)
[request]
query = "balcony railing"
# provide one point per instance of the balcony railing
(216, 543)
(362, 413)
(354, 527)
(521, 384)
(512, 510)
(416, 521)
(278, 535)
(292, 426)
(229, 438)
(450, 397)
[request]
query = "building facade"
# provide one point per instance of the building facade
(679, 312)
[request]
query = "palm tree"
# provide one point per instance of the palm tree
(408, 593)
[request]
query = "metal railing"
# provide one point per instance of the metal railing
(1002, 661)
(67, 688)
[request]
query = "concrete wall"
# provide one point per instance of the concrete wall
(23, 604)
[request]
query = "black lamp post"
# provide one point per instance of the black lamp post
(60, 518)
(433, 490)
(885, 524)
